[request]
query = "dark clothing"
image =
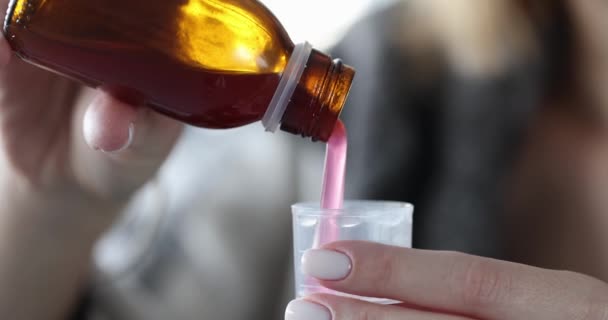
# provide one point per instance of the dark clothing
(442, 141)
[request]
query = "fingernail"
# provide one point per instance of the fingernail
(306, 310)
(326, 264)
(127, 143)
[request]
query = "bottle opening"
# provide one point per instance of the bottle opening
(319, 98)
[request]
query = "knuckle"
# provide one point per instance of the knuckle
(368, 314)
(385, 273)
(480, 283)
(593, 306)
(594, 310)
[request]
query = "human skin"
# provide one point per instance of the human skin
(70, 159)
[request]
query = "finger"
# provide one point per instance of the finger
(454, 282)
(125, 130)
(327, 307)
(109, 124)
(136, 140)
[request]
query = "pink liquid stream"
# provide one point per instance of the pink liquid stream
(332, 195)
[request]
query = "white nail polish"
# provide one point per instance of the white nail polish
(127, 144)
(131, 135)
(326, 264)
(306, 310)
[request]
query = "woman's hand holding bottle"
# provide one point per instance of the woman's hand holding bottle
(70, 159)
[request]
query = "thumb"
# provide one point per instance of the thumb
(124, 145)
(109, 124)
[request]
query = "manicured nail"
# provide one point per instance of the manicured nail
(326, 264)
(306, 310)
(127, 143)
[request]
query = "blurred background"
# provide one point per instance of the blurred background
(322, 23)
(489, 116)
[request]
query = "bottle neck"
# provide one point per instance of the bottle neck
(319, 97)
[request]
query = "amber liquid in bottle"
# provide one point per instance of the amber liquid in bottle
(209, 63)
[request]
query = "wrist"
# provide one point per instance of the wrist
(46, 242)
(61, 213)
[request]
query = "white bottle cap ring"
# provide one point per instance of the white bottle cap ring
(287, 85)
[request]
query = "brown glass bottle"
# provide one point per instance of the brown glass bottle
(209, 63)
